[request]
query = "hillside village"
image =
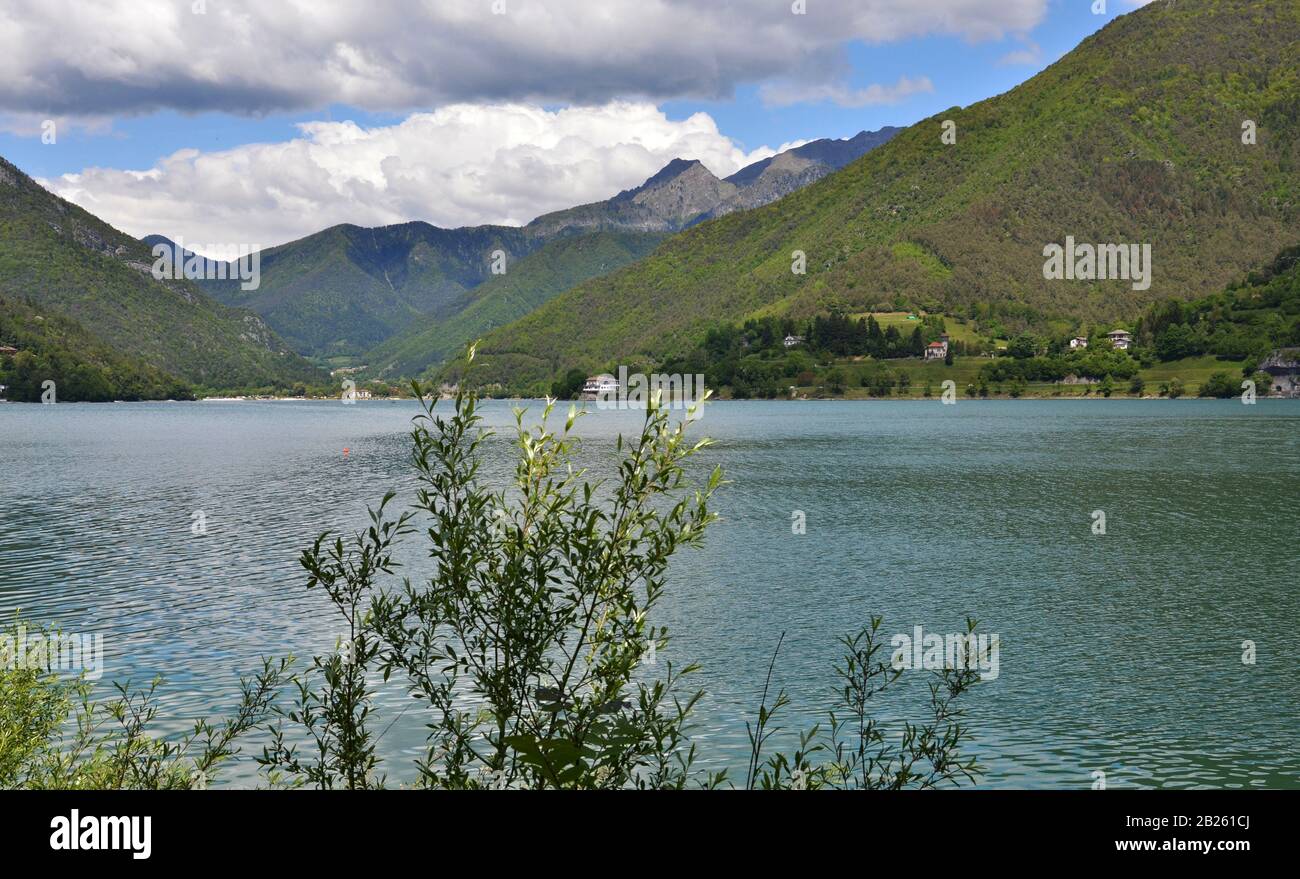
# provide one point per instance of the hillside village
(816, 361)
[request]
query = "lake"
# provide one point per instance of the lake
(1119, 652)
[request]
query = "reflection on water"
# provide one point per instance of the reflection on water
(1119, 652)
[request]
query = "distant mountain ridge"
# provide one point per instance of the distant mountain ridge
(677, 195)
(347, 289)
(684, 192)
(832, 153)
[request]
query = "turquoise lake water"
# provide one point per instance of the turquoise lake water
(1119, 652)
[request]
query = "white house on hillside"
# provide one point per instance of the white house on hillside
(937, 350)
(1121, 339)
(792, 341)
(1078, 342)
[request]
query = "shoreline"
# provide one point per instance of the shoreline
(713, 401)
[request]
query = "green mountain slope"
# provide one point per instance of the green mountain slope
(348, 288)
(533, 280)
(51, 347)
(64, 261)
(1134, 137)
(1248, 320)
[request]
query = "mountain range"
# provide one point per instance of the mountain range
(82, 299)
(347, 289)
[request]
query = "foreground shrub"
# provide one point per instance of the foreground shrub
(524, 648)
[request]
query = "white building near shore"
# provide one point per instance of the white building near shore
(599, 384)
(937, 350)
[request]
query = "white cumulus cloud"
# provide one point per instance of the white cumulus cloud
(464, 164)
(1031, 54)
(784, 94)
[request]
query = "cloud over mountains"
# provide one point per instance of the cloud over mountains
(460, 165)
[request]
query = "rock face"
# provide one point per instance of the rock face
(679, 194)
(685, 192)
(783, 174)
(1282, 360)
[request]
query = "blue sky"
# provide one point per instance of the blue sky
(139, 141)
(252, 124)
(962, 73)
